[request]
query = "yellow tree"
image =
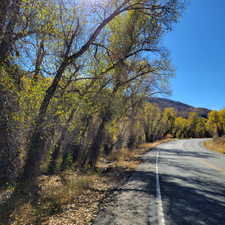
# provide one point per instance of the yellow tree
(222, 120)
(200, 128)
(151, 120)
(168, 119)
(213, 123)
(181, 127)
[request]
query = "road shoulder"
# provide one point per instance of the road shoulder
(131, 203)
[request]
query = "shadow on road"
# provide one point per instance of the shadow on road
(191, 195)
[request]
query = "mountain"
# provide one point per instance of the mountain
(181, 108)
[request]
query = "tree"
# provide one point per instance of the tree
(201, 129)
(9, 135)
(222, 120)
(151, 118)
(9, 11)
(50, 34)
(181, 127)
(168, 120)
(78, 73)
(213, 123)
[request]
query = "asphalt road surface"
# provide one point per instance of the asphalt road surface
(192, 184)
(179, 183)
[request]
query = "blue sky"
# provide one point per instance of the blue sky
(197, 46)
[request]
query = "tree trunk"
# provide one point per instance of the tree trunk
(34, 157)
(3, 15)
(7, 40)
(94, 150)
(54, 158)
(32, 166)
(9, 137)
(57, 152)
(36, 148)
(9, 156)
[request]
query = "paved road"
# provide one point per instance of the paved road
(192, 185)
(179, 183)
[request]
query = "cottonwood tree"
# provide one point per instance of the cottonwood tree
(133, 34)
(151, 122)
(215, 123)
(168, 119)
(181, 127)
(163, 12)
(20, 22)
(222, 120)
(9, 11)
(62, 38)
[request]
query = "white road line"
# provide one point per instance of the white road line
(160, 214)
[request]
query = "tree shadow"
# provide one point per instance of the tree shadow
(191, 195)
(23, 193)
(195, 154)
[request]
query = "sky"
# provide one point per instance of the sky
(197, 47)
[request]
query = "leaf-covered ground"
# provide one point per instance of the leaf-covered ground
(73, 198)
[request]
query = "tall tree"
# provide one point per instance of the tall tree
(213, 123)
(159, 11)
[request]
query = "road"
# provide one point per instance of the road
(192, 185)
(179, 183)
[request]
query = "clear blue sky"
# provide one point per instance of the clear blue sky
(197, 46)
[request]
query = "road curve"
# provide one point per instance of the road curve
(178, 183)
(192, 184)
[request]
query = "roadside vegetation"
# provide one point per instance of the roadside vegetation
(216, 144)
(75, 80)
(216, 126)
(75, 197)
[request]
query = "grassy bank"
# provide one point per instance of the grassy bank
(216, 144)
(74, 197)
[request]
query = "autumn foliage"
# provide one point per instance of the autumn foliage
(75, 79)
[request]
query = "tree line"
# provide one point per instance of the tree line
(74, 79)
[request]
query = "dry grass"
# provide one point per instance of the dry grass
(56, 195)
(126, 158)
(217, 144)
(70, 198)
(73, 198)
(78, 199)
(25, 214)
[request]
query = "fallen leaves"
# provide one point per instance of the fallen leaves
(75, 198)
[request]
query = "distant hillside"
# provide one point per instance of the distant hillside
(181, 108)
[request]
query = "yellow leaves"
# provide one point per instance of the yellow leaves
(6, 80)
(216, 122)
(44, 13)
(30, 98)
(169, 113)
(181, 122)
(113, 129)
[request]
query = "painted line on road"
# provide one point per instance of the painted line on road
(160, 214)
